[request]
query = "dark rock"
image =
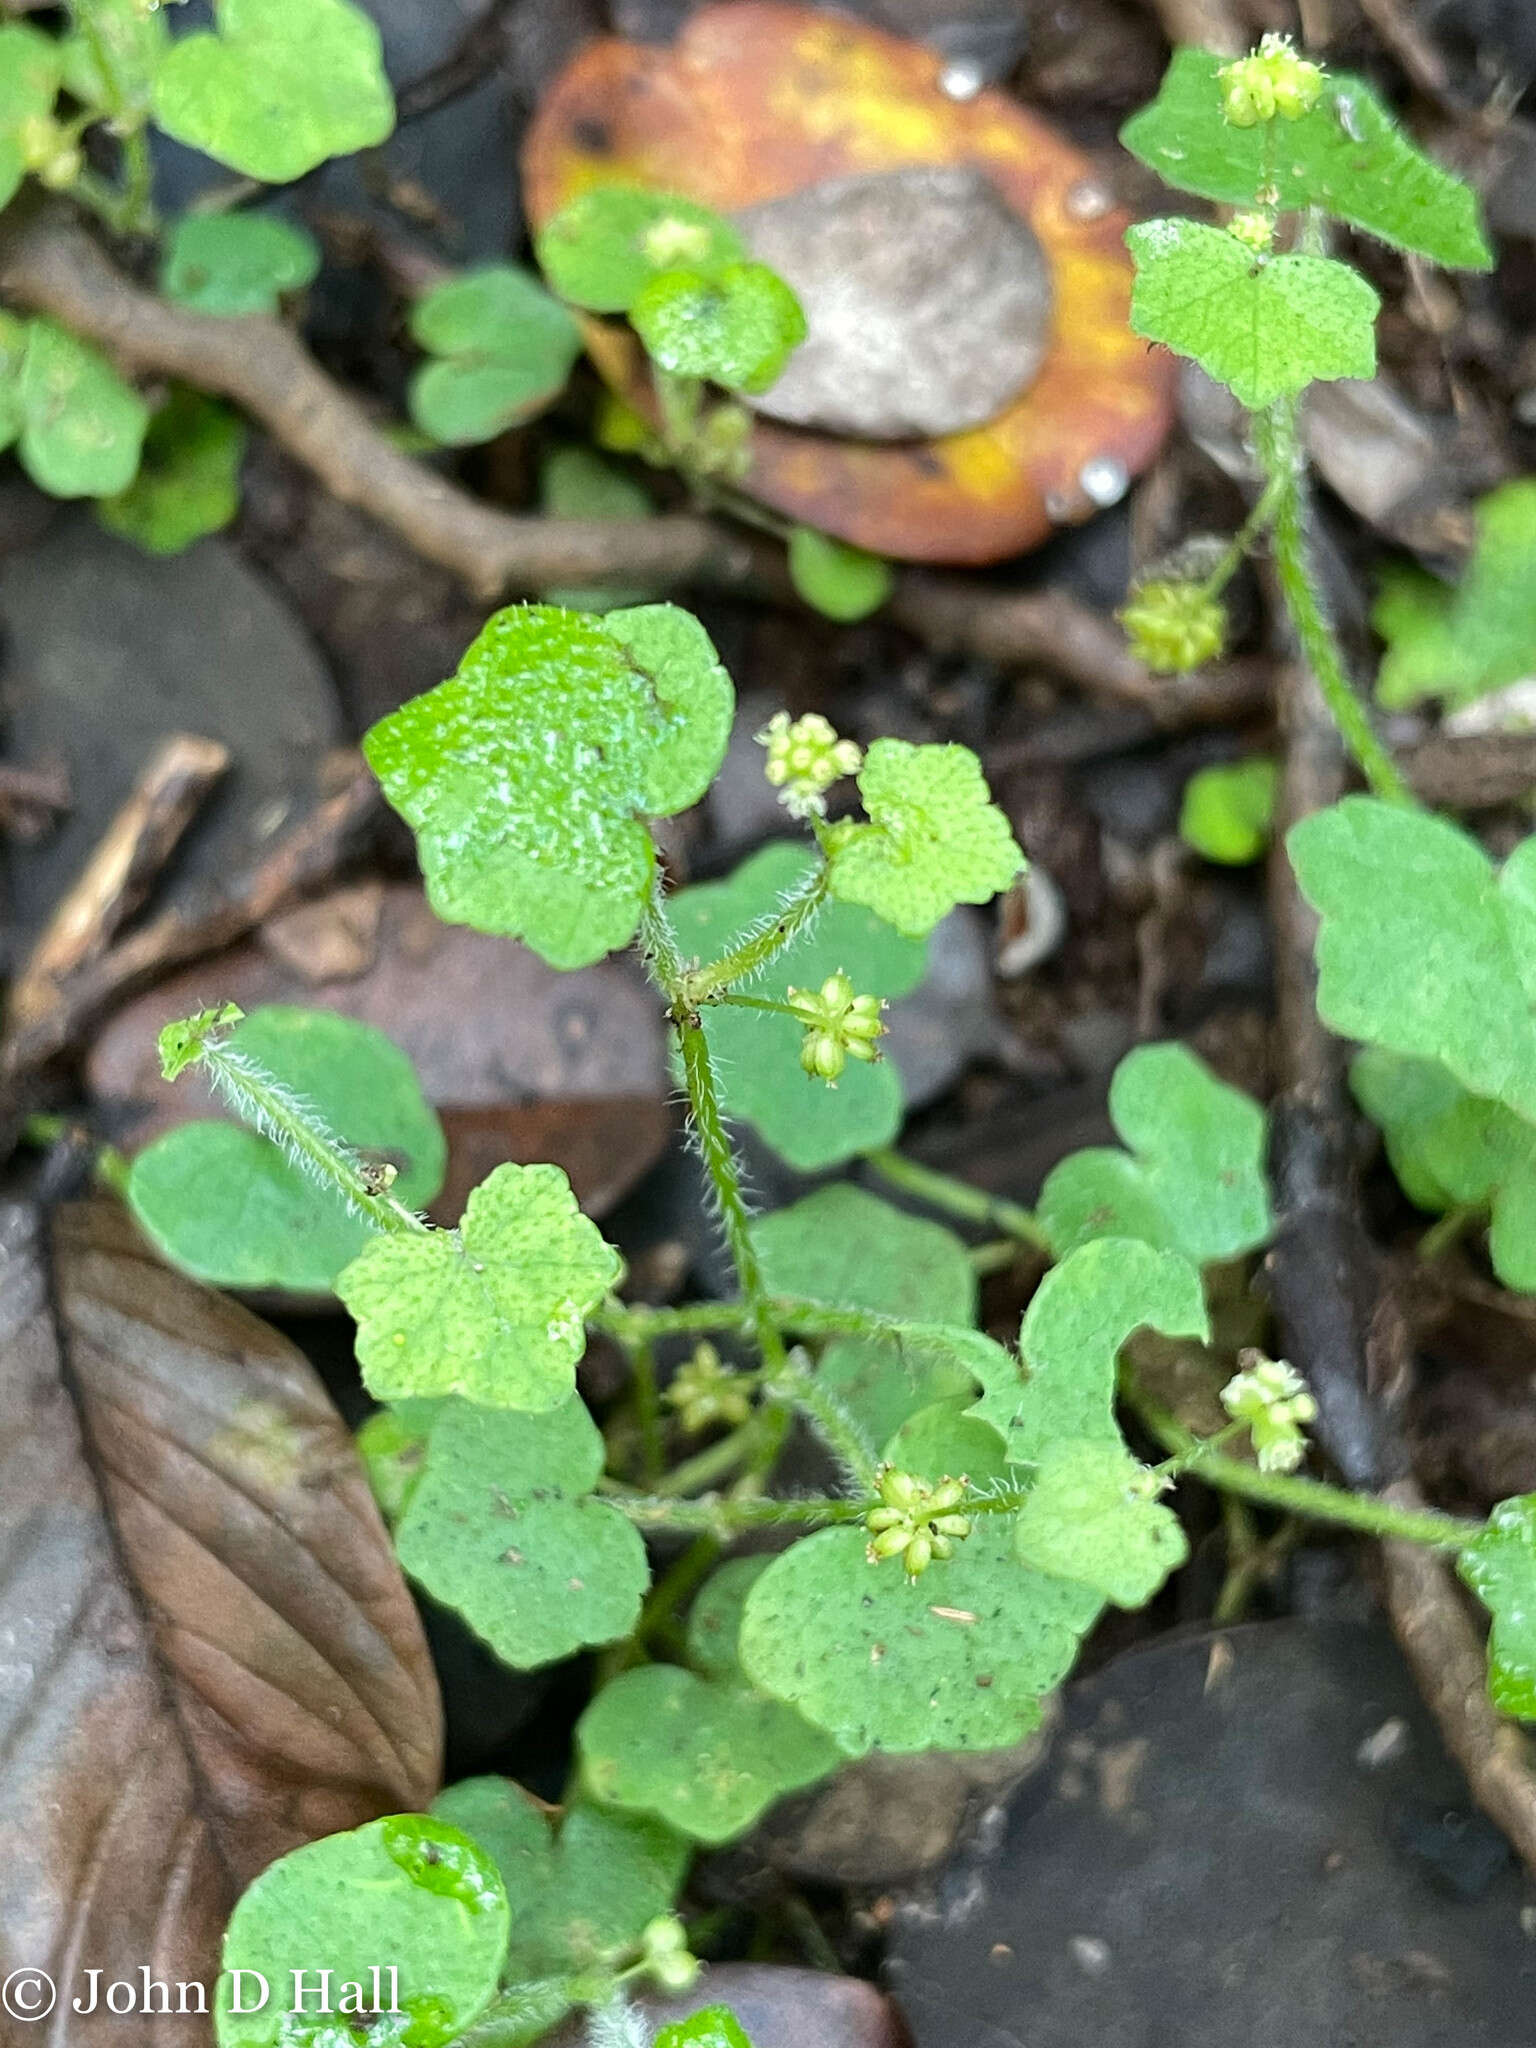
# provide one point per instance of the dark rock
(107, 650)
(778, 2008)
(881, 264)
(1244, 1837)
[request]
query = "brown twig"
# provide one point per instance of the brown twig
(120, 873)
(50, 263)
(1478, 772)
(1341, 1326)
(302, 861)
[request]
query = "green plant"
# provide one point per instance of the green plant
(984, 1504)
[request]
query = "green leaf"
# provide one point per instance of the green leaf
(189, 480)
(704, 1755)
(934, 838)
(715, 2027)
(958, 1659)
(112, 63)
(1082, 1313)
(494, 1310)
(13, 352)
(82, 427)
(280, 87)
(408, 1892)
(1196, 1184)
(225, 1205)
(737, 326)
(1459, 644)
(1347, 156)
(1424, 947)
(528, 776)
(582, 1886)
(944, 1441)
(236, 263)
(1265, 326)
(1500, 1566)
(1449, 1148)
(758, 1054)
(392, 1445)
(714, 1620)
(1085, 1519)
(602, 249)
(1228, 810)
(30, 67)
(840, 581)
(505, 350)
(502, 1527)
(576, 483)
(851, 1250)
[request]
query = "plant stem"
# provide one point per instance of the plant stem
(958, 1198)
(831, 1420)
(714, 1515)
(642, 1367)
(701, 984)
(1242, 541)
(1452, 1226)
(1294, 1495)
(713, 1462)
(720, 1164)
(759, 1003)
(302, 1134)
(674, 1586)
(1279, 445)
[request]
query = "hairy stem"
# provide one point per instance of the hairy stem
(302, 1135)
(702, 984)
(958, 1198)
(831, 1420)
(1279, 445)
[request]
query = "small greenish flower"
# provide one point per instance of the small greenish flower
(1173, 625)
(805, 758)
(671, 241)
(839, 1026)
(1272, 1398)
(1255, 230)
(49, 151)
(664, 1954)
(722, 443)
(1271, 80)
(184, 1042)
(705, 1392)
(915, 1521)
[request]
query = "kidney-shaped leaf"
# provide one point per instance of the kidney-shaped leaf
(211, 1654)
(1500, 1567)
(528, 775)
(280, 87)
(934, 837)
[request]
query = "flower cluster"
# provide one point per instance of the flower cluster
(915, 1521)
(1173, 625)
(1272, 1398)
(839, 1026)
(1256, 231)
(664, 1954)
(704, 1392)
(805, 758)
(1271, 80)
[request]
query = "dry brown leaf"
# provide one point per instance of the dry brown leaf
(207, 1653)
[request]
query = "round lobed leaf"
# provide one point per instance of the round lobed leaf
(1087, 1519)
(528, 775)
(736, 326)
(505, 347)
(189, 479)
(704, 1755)
(30, 69)
(842, 582)
(321, 62)
(602, 249)
(82, 427)
(495, 1310)
(409, 1892)
(236, 263)
(1227, 810)
(934, 837)
(1499, 1564)
(111, 64)
(503, 1528)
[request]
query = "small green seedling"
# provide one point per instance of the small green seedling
(501, 351)
(1227, 811)
(1459, 644)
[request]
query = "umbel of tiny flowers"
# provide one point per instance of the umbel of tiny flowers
(1272, 1398)
(915, 1521)
(805, 758)
(704, 1392)
(1271, 80)
(1174, 625)
(839, 1026)
(1255, 230)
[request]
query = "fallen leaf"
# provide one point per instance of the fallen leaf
(756, 102)
(210, 1656)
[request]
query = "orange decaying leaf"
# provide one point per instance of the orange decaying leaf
(758, 100)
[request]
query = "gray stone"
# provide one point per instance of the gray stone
(928, 301)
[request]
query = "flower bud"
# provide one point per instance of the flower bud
(805, 758)
(1172, 625)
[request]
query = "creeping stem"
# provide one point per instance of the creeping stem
(704, 984)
